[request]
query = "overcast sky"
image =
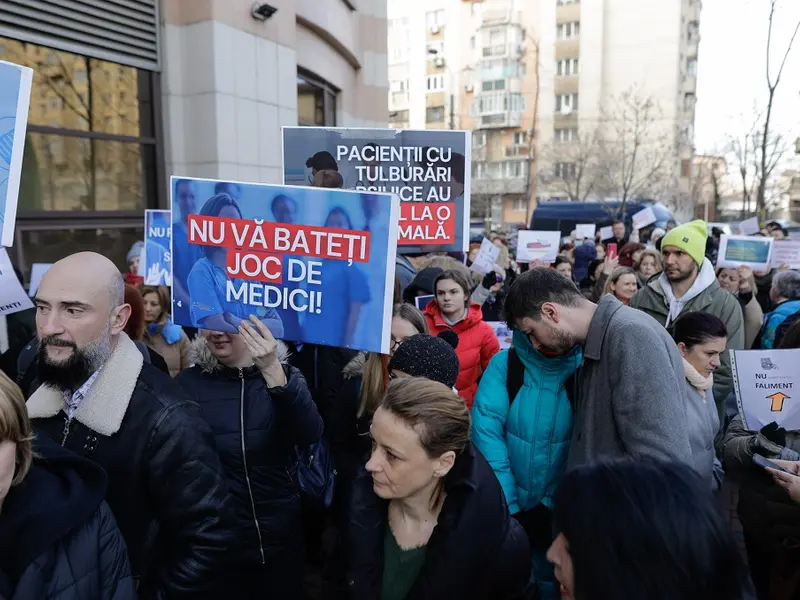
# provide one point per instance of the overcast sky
(732, 68)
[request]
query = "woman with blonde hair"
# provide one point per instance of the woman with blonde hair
(57, 535)
(160, 333)
(742, 284)
(649, 264)
(428, 518)
(622, 283)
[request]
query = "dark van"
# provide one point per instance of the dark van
(564, 216)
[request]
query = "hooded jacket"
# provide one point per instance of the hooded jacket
(477, 344)
(257, 429)
(584, 254)
(775, 319)
(476, 551)
(713, 299)
(165, 483)
(421, 285)
(60, 540)
(526, 442)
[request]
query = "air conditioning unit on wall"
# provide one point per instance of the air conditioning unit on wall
(438, 61)
(435, 29)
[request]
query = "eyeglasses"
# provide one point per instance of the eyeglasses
(395, 344)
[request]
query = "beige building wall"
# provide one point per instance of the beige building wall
(230, 81)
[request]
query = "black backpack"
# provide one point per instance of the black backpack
(515, 377)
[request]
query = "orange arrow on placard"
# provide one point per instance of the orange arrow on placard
(777, 401)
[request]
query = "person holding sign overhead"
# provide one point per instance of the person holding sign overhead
(688, 283)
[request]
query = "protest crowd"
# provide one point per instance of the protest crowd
(288, 408)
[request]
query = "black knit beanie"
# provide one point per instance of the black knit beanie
(433, 358)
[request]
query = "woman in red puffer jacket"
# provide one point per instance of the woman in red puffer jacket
(477, 343)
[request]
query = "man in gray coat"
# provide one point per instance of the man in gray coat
(630, 398)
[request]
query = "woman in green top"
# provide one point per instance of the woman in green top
(428, 517)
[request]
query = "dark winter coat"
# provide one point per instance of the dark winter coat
(476, 551)
(59, 539)
(165, 482)
(257, 429)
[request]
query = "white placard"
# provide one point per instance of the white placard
(786, 252)
(15, 95)
(12, 295)
(749, 226)
(743, 250)
(643, 218)
(606, 233)
(37, 272)
(766, 385)
(537, 245)
(487, 257)
(502, 332)
(585, 231)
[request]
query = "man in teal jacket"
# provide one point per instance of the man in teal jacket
(526, 439)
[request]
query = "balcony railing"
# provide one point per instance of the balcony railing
(517, 151)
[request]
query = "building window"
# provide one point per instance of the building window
(435, 83)
(688, 101)
(565, 135)
(435, 19)
(568, 31)
(83, 156)
(434, 114)
(399, 85)
(687, 135)
(515, 169)
(520, 138)
(686, 168)
(692, 32)
(565, 170)
(316, 101)
(518, 205)
(563, 2)
(691, 66)
(479, 139)
(567, 67)
(435, 50)
(398, 54)
(498, 102)
(492, 86)
(566, 103)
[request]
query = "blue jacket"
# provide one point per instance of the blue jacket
(773, 320)
(527, 443)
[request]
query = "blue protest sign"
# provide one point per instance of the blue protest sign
(300, 259)
(15, 94)
(428, 169)
(157, 261)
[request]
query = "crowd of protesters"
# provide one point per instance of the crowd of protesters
(140, 459)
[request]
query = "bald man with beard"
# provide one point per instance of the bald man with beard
(98, 399)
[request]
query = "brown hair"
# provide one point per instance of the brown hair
(614, 278)
(438, 415)
(162, 293)
(15, 426)
(459, 279)
(376, 368)
(445, 263)
(135, 325)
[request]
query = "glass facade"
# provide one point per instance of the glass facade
(91, 155)
(316, 101)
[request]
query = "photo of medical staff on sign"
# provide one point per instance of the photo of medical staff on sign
(302, 260)
(428, 170)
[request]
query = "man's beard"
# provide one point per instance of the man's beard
(681, 275)
(563, 343)
(71, 373)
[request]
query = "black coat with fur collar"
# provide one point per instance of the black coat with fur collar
(476, 552)
(256, 429)
(165, 482)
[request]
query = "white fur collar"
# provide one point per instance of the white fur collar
(107, 401)
(200, 354)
